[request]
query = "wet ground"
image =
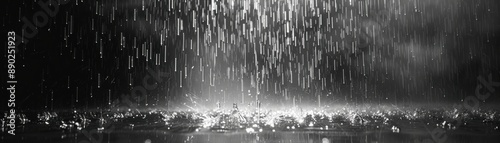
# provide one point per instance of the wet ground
(337, 136)
(369, 125)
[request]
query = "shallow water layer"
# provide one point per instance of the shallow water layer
(366, 125)
(345, 136)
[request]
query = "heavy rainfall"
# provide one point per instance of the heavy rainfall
(255, 70)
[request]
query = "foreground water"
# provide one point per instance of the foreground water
(349, 125)
(344, 136)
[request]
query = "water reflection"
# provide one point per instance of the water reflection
(345, 136)
(368, 125)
